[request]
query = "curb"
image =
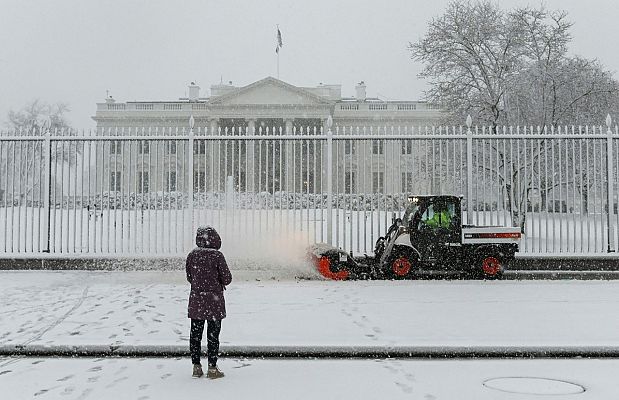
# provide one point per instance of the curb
(511, 274)
(317, 352)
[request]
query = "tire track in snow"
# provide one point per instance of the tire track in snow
(56, 322)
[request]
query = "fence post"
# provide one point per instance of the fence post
(190, 186)
(469, 170)
(329, 181)
(47, 169)
(609, 180)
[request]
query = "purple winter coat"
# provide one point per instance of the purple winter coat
(208, 273)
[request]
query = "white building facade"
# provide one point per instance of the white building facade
(264, 108)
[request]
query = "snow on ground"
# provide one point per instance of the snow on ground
(149, 308)
(152, 379)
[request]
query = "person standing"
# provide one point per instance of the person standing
(208, 274)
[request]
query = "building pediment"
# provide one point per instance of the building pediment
(269, 91)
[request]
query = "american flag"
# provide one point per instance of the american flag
(279, 41)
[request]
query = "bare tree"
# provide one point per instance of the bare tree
(512, 67)
(21, 161)
(469, 55)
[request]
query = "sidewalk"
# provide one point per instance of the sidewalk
(165, 379)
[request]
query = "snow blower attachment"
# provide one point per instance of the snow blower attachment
(428, 240)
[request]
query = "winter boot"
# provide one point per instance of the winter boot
(213, 372)
(197, 371)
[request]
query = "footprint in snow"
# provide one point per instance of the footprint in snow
(404, 387)
(42, 391)
(120, 370)
(410, 377)
(391, 369)
(67, 391)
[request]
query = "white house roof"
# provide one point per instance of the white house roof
(269, 91)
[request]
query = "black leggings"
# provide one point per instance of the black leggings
(212, 338)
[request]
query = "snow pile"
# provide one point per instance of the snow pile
(269, 255)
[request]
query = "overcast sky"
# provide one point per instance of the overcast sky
(74, 50)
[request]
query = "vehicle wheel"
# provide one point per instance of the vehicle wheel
(326, 269)
(401, 265)
(491, 267)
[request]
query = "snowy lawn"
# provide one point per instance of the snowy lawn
(127, 232)
(152, 379)
(149, 308)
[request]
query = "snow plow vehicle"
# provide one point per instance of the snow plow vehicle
(428, 240)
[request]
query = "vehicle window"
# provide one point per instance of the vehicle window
(438, 215)
(411, 210)
(428, 214)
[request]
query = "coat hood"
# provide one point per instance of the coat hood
(207, 236)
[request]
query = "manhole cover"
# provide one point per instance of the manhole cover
(530, 385)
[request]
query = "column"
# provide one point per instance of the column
(290, 162)
(212, 157)
(250, 169)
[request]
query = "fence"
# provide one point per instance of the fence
(137, 191)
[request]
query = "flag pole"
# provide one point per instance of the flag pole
(278, 65)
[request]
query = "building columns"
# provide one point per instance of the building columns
(250, 176)
(288, 183)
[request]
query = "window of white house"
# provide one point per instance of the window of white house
(350, 147)
(115, 180)
(142, 182)
(171, 147)
(407, 182)
(407, 146)
(115, 147)
(350, 182)
(199, 181)
(377, 182)
(171, 183)
(241, 182)
(143, 147)
(378, 146)
(199, 147)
